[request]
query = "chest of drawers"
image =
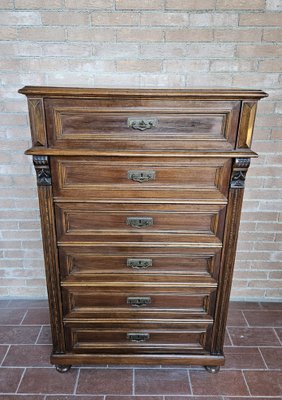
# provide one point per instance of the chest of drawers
(140, 193)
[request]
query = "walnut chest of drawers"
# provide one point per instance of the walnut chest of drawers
(140, 194)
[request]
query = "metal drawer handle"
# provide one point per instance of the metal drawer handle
(142, 124)
(141, 176)
(139, 222)
(139, 263)
(138, 301)
(138, 337)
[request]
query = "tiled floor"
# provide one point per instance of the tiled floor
(253, 368)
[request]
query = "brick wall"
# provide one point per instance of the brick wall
(162, 43)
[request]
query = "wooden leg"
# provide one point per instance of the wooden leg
(212, 369)
(63, 368)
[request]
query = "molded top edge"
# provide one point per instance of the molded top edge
(143, 92)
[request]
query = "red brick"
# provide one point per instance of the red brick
(91, 34)
(189, 5)
(272, 35)
(237, 35)
(139, 5)
(65, 18)
(90, 4)
(260, 19)
(240, 5)
(38, 4)
(164, 19)
(115, 19)
(139, 35)
(189, 35)
(139, 65)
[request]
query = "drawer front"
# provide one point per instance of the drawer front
(136, 303)
(137, 178)
(84, 262)
(87, 339)
(87, 221)
(141, 124)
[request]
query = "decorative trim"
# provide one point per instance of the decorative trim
(242, 162)
(239, 172)
(238, 180)
(42, 168)
(246, 126)
(37, 121)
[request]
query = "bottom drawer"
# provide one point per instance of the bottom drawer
(81, 339)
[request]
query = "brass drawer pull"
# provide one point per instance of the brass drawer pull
(142, 124)
(139, 222)
(138, 337)
(138, 301)
(139, 263)
(141, 176)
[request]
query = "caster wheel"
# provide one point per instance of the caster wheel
(212, 369)
(63, 368)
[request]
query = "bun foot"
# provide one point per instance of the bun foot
(212, 369)
(63, 368)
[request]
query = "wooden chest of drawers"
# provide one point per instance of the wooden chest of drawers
(140, 193)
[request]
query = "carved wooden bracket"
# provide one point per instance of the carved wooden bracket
(41, 165)
(240, 168)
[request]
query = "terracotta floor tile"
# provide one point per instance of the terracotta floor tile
(244, 305)
(28, 356)
(48, 381)
(253, 337)
(105, 381)
(18, 334)
(227, 341)
(164, 381)
(279, 333)
(11, 317)
(236, 318)
(243, 358)
(271, 306)
(28, 303)
(135, 398)
(229, 383)
(37, 316)
(194, 398)
(45, 336)
(272, 356)
(9, 379)
(4, 303)
(3, 351)
(75, 397)
(264, 318)
(251, 398)
(264, 383)
(21, 397)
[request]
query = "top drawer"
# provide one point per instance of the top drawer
(141, 124)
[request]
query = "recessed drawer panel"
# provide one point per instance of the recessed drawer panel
(86, 300)
(141, 124)
(142, 340)
(137, 178)
(136, 302)
(88, 221)
(87, 261)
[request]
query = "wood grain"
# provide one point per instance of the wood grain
(134, 293)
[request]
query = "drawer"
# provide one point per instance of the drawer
(136, 302)
(88, 221)
(84, 338)
(141, 124)
(197, 180)
(84, 262)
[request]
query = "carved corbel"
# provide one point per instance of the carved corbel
(240, 168)
(42, 168)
